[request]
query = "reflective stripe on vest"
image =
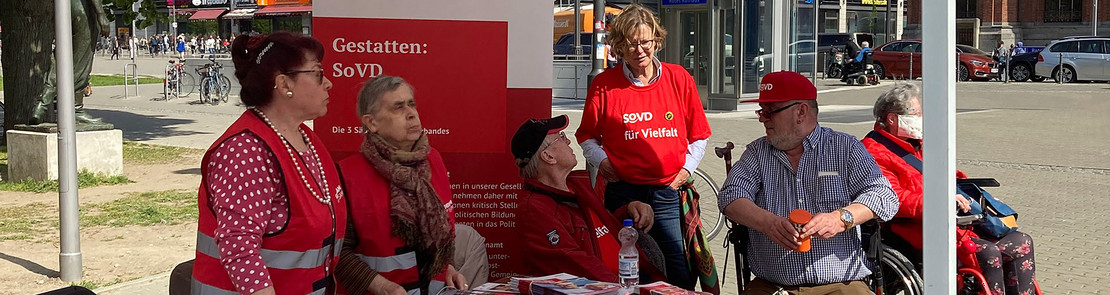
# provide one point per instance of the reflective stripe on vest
(389, 263)
(198, 288)
(278, 259)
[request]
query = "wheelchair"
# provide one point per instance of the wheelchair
(861, 73)
(891, 271)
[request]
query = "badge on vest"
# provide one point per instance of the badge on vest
(553, 237)
(669, 116)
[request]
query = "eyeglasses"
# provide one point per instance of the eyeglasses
(319, 74)
(562, 136)
(644, 45)
(767, 114)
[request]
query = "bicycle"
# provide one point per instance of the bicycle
(214, 86)
(177, 82)
(705, 186)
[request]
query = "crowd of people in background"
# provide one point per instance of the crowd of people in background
(166, 45)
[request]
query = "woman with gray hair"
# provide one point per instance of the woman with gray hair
(896, 146)
(401, 199)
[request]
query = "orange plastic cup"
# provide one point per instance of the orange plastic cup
(799, 218)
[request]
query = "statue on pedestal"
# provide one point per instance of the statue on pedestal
(87, 18)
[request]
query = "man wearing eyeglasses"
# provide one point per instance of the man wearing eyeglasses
(801, 165)
(563, 225)
(643, 127)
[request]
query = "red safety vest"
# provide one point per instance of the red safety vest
(377, 247)
(301, 259)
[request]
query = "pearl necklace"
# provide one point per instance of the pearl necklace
(326, 199)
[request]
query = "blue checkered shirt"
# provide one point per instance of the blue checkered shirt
(834, 171)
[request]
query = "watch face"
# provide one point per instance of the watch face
(846, 216)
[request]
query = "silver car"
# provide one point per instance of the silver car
(1083, 58)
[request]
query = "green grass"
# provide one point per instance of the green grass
(93, 285)
(147, 208)
(140, 153)
(84, 179)
(144, 209)
(109, 80)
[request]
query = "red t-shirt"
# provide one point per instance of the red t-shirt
(645, 131)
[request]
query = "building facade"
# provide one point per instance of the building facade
(982, 23)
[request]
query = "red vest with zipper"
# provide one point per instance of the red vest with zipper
(369, 204)
(302, 257)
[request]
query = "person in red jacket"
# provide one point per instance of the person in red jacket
(644, 128)
(401, 231)
(898, 133)
(270, 198)
(564, 226)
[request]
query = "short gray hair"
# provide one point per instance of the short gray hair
(896, 100)
(531, 168)
(373, 90)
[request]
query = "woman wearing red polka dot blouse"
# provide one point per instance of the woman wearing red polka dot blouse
(270, 198)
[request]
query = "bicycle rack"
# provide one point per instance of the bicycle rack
(130, 79)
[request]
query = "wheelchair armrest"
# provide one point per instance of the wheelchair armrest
(981, 182)
(967, 219)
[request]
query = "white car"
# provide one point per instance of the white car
(1084, 58)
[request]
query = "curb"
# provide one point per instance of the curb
(133, 283)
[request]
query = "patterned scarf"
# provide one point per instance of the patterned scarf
(417, 214)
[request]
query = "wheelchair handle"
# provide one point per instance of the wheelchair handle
(968, 219)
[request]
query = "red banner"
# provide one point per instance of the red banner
(459, 72)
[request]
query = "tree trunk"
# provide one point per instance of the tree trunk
(28, 43)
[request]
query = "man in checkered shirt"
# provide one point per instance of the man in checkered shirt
(801, 165)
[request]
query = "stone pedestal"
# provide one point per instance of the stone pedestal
(34, 155)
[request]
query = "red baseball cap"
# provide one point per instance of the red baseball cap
(784, 86)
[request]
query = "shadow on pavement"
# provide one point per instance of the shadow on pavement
(141, 127)
(31, 266)
(194, 171)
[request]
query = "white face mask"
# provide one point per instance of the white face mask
(909, 126)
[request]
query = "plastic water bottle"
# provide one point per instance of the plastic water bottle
(629, 257)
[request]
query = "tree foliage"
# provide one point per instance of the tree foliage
(148, 9)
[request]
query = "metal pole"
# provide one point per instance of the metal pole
(1060, 69)
(1094, 18)
(887, 23)
(70, 257)
(577, 28)
(938, 24)
(599, 40)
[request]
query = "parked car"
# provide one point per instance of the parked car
(565, 45)
(803, 50)
(1084, 58)
(895, 59)
(1023, 67)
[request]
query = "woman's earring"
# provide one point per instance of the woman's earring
(289, 93)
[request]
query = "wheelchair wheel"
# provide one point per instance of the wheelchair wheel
(712, 221)
(899, 274)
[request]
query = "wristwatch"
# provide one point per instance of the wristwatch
(846, 217)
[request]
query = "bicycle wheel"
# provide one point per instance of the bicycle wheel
(205, 90)
(225, 87)
(185, 85)
(213, 90)
(712, 220)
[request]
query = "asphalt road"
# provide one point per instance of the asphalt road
(1046, 143)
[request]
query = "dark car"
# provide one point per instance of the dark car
(901, 57)
(565, 45)
(1023, 67)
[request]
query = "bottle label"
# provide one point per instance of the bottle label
(629, 268)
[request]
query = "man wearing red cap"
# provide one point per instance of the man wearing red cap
(801, 165)
(564, 226)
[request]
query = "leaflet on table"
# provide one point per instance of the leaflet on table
(495, 288)
(563, 284)
(663, 288)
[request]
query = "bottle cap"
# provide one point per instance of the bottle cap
(628, 222)
(799, 216)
